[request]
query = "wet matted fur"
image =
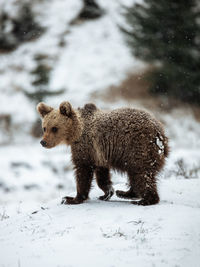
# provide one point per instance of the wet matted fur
(127, 140)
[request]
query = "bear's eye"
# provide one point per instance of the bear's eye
(54, 129)
(44, 129)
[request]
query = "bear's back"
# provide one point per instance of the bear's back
(124, 121)
(125, 135)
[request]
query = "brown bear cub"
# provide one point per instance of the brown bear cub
(127, 140)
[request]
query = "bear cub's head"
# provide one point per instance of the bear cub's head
(59, 126)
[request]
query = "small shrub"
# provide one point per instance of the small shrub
(90, 10)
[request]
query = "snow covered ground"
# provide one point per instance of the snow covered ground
(35, 230)
(113, 233)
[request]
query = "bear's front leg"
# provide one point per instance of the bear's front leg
(84, 175)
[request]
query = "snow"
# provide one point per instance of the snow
(160, 145)
(113, 233)
(35, 230)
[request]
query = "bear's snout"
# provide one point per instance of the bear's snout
(43, 143)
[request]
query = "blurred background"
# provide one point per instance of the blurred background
(143, 54)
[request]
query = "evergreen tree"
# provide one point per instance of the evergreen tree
(22, 28)
(167, 34)
(40, 90)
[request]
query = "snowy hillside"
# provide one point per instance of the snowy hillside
(35, 230)
(81, 58)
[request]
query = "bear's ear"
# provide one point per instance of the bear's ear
(66, 109)
(43, 109)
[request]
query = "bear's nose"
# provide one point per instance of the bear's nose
(43, 143)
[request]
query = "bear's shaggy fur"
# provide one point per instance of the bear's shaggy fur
(127, 140)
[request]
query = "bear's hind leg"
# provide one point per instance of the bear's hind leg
(104, 182)
(131, 193)
(126, 194)
(145, 185)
